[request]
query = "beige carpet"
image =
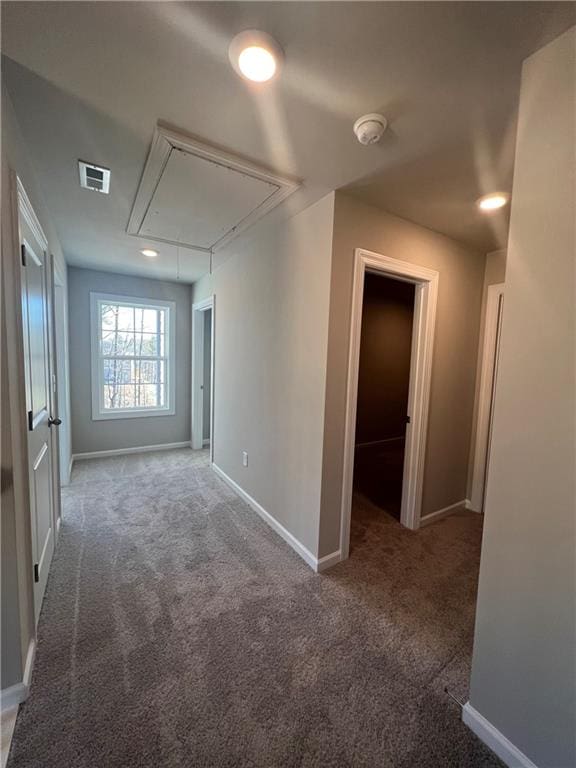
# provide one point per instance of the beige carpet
(179, 630)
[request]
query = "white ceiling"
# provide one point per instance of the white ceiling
(90, 80)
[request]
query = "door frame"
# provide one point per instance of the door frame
(63, 376)
(425, 300)
(488, 373)
(197, 426)
(27, 215)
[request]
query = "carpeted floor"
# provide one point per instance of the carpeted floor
(179, 630)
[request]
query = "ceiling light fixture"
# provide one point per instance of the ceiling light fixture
(492, 201)
(255, 55)
(150, 252)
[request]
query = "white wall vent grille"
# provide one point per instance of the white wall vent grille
(94, 177)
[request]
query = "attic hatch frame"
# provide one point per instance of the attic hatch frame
(167, 140)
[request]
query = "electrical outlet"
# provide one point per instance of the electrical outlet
(245, 458)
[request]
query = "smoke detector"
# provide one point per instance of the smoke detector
(369, 128)
(94, 177)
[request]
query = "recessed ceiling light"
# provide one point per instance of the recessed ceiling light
(493, 201)
(150, 252)
(255, 55)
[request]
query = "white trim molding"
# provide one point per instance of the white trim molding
(127, 451)
(488, 374)
(169, 357)
(15, 694)
(27, 211)
(197, 425)
(494, 739)
(444, 512)
(166, 141)
(425, 299)
(316, 564)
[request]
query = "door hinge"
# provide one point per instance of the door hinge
(407, 419)
(23, 252)
(30, 421)
(36, 573)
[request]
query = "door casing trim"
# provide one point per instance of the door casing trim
(425, 300)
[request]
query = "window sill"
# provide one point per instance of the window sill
(133, 414)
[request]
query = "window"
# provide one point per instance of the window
(132, 357)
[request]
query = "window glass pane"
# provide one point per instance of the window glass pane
(107, 342)
(146, 344)
(150, 320)
(149, 370)
(119, 396)
(122, 343)
(117, 318)
(149, 395)
(109, 316)
(133, 333)
(117, 372)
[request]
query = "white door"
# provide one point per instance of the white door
(36, 329)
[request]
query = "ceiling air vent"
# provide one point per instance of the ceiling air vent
(94, 177)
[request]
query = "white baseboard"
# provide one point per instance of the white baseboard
(444, 512)
(29, 666)
(15, 694)
(495, 740)
(298, 547)
(206, 443)
(126, 451)
(328, 561)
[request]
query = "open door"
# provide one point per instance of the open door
(40, 386)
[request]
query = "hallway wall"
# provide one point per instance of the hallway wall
(271, 335)
(357, 225)
(17, 619)
(524, 649)
(109, 434)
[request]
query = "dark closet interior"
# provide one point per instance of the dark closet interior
(383, 381)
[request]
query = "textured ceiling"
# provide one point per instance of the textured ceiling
(90, 80)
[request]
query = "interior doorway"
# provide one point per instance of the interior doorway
(424, 283)
(40, 379)
(203, 316)
(383, 384)
(488, 375)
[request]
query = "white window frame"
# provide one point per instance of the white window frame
(98, 411)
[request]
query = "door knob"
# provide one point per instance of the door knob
(55, 422)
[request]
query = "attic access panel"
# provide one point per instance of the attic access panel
(194, 195)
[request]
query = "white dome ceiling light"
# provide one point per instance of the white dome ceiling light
(369, 128)
(493, 201)
(256, 56)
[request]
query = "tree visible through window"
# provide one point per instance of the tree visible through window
(133, 355)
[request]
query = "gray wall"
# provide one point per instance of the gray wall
(89, 435)
(206, 383)
(385, 352)
(523, 671)
(271, 332)
(357, 225)
(17, 588)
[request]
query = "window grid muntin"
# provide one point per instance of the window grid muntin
(162, 333)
